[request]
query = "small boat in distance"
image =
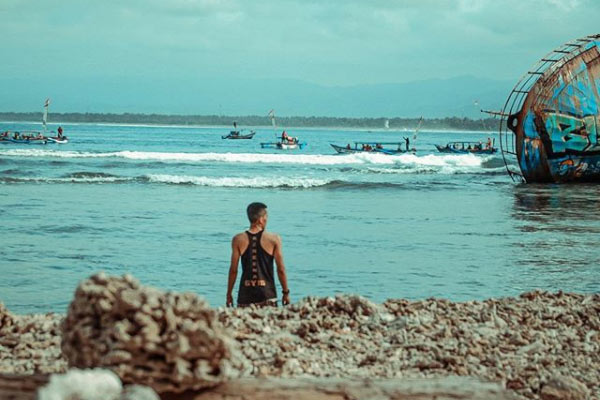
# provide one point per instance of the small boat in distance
(284, 142)
(283, 146)
(60, 139)
(237, 134)
(374, 147)
(34, 137)
(468, 147)
(23, 137)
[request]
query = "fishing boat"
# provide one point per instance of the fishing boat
(24, 137)
(374, 147)
(34, 137)
(283, 146)
(238, 134)
(549, 129)
(467, 148)
(284, 142)
(58, 139)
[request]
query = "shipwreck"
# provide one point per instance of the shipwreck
(549, 124)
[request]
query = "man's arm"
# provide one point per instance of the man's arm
(278, 254)
(233, 269)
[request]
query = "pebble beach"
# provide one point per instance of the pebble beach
(522, 342)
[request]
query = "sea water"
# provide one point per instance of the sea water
(162, 203)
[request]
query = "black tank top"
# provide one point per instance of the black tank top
(257, 284)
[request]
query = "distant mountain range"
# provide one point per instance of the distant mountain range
(435, 98)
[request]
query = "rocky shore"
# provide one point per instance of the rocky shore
(539, 345)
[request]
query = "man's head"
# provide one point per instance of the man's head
(257, 213)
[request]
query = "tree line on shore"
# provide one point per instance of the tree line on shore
(462, 123)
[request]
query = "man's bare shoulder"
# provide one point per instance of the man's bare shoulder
(240, 237)
(272, 237)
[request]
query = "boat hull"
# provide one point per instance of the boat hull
(346, 150)
(28, 141)
(444, 149)
(556, 130)
(58, 140)
(283, 146)
(239, 137)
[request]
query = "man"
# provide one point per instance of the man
(257, 249)
(407, 140)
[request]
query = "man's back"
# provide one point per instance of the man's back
(268, 241)
(258, 250)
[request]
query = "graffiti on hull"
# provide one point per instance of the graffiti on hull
(553, 115)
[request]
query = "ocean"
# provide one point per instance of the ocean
(162, 203)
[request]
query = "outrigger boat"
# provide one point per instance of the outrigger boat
(237, 134)
(58, 139)
(285, 142)
(467, 148)
(34, 137)
(24, 137)
(283, 146)
(373, 147)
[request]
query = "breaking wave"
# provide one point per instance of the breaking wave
(90, 175)
(67, 179)
(429, 160)
(225, 182)
(254, 182)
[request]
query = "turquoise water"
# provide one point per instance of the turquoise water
(162, 203)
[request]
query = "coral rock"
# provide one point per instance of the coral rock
(181, 347)
(6, 318)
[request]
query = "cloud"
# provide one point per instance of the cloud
(330, 43)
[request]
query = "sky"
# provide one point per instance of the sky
(111, 48)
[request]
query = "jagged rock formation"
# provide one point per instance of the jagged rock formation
(30, 343)
(167, 341)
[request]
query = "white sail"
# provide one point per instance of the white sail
(272, 116)
(418, 127)
(386, 124)
(45, 117)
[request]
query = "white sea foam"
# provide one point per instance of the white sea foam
(430, 160)
(86, 179)
(254, 182)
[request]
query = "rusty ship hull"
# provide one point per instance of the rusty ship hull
(556, 128)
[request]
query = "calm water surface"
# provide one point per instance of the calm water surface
(162, 203)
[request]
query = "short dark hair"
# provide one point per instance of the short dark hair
(255, 211)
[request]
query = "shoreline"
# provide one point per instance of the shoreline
(519, 342)
(265, 127)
